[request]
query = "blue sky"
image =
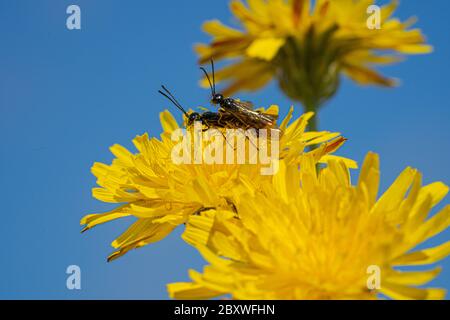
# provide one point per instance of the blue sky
(66, 96)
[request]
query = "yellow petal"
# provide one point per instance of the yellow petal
(392, 198)
(407, 293)
(198, 229)
(437, 191)
(265, 48)
(433, 226)
(351, 164)
(217, 29)
(91, 220)
(168, 122)
(141, 233)
(122, 153)
(189, 290)
(412, 278)
(415, 49)
(422, 257)
(365, 76)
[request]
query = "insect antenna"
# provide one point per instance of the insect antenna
(213, 77)
(172, 99)
(213, 89)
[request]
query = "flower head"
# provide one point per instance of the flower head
(163, 194)
(306, 49)
(309, 236)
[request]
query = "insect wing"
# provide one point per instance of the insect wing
(245, 104)
(250, 117)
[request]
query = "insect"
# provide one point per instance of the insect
(208, 119)
(242, 111)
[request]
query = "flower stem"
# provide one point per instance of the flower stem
(313, 124)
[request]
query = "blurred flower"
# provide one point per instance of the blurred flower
(162, 194)
(306, 49)
(304, 236)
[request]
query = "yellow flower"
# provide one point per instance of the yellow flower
(306, 49)
(305, 236)
(162, 194)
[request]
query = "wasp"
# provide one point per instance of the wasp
(208, 119)
(242, 111)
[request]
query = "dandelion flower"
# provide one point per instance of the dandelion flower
(307, 48)
(162, 194)
(305, 236)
